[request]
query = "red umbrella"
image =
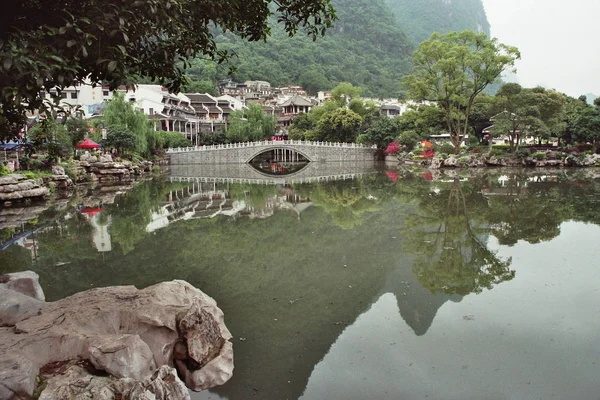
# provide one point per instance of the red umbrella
(88, 144)
(91, 211)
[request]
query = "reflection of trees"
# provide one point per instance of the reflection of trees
(346, 202)
(132, 212)
(451, 255)
(530, 211)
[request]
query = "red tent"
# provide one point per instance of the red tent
(88, 144)
(91, 211)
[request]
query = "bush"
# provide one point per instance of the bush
(497, 153)
(539, 155)
(443, 148)
(4, 170)
(393, 149)
(523, 152)
(408, 139)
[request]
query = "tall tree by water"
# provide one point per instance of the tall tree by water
(453, 69)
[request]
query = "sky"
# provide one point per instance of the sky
(558, 40)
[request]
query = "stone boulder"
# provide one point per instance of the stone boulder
(121, 331)
(15, 187)
(26, 282)
(451, 162)
(58, 170)
(436, 163)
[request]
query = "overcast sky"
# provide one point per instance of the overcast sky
(559, 41)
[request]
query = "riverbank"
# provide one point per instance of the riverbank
(541, 160)
(60, 182)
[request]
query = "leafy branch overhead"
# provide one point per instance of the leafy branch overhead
(49, 44)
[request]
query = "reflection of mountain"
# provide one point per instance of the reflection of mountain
(417, 305)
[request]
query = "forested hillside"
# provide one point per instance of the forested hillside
(420, 18)
(366, 47)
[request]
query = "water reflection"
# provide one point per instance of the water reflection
(380, 269)
(279, 168)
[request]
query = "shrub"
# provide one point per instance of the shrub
(523, 152)
(4, 170)
(539, 155)
(444, 148)
(497, 153)
(408, 139)
(393, 149)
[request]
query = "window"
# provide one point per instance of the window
(151, 111)
(105, 93)
(43, 94)
(63, 95)
(74, 95)
(132, 99)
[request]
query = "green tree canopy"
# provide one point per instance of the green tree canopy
(250, 124)
(453, 69)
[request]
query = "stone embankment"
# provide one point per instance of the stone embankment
(16, 187)
(104, 169)
(479, 161)
(110, 343)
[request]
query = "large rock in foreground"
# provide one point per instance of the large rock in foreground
(135, 336)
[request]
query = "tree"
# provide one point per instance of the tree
(587, 125)
(121, 115)
(121, 139)
(77, 129)
(453, 69)
(51, 136)
(381, 133)
(339, 126)
(344, 92)
(250, 124)
(46, 44)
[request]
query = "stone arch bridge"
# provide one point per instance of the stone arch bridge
(242, 153)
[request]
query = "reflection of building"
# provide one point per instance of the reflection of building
(100, 235)
(207, 200)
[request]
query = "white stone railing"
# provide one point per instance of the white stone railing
(268, 143)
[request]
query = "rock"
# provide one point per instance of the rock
(529, 161)
(554, 163)
(26, 282)
(451, 161)
(495, 161)
(436, 163)
(125, 356)
(588, 160)
(17, 377)
(125, 332)
(16, 307)
(105, 158)
(11, 179)
(58, 170)
(474, 162)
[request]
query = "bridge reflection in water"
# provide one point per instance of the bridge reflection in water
(247, 173)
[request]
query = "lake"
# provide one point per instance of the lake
(361, 283)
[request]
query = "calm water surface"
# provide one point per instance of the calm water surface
(367, 285)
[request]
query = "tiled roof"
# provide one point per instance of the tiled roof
(296, 100)
(203, 98)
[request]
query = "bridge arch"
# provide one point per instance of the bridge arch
(267, 149)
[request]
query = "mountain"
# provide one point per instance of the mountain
(368, 47)
(420, 18)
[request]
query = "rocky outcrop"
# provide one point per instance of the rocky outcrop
(134, 336)
(105, 169)
(16, 187)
